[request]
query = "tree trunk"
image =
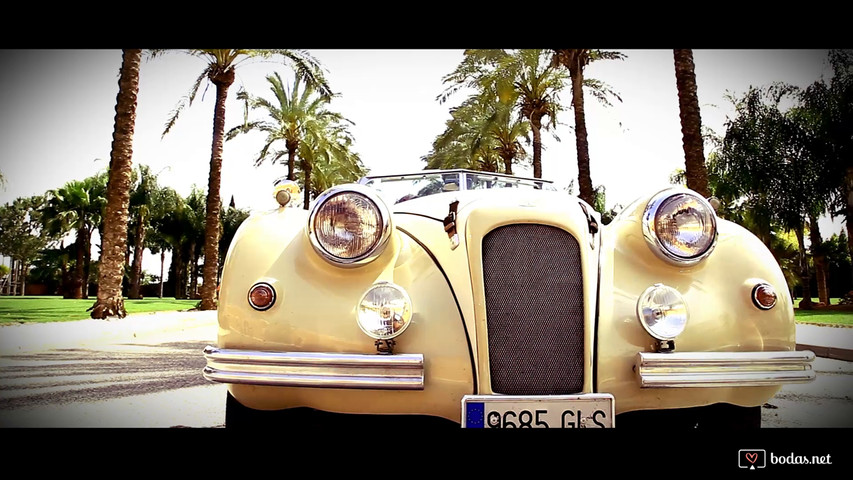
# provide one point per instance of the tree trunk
(63, 270)
(75, 289)
(87, 262)
(222, 81)
(162, 263)
(113, 245)
(291, 160)
(20, 266)
(306, 167)
(13, 279)
(192, 270)
(806, 302)
(535, 127)
(180, 272)
(848, 186)
(819, 258)
(136, 269)
(691, 123)
(6, 282)
(587, 193)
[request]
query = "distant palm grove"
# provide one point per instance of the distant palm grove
(776, 170)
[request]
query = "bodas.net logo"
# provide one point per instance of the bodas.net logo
(751, 458)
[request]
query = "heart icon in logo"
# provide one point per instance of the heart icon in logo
(752, 457)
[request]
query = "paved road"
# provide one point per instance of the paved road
(144, 371)
(825, 403)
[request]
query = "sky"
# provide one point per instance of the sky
(57, 111)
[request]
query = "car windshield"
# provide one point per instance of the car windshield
(400, 188)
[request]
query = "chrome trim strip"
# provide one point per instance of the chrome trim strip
(723, 369)
(310, 369)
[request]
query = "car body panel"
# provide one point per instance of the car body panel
(718, 296)
(315, 312)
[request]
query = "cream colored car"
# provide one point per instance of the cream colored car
(475, 299)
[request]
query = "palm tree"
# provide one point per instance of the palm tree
(220, 70)
(326, 155)
(178, 224)
(77, 206)
(575, 60)
(114, 234)
(525, 73)
(193, 246)
(340, 165)
(168, 230)
(299, 121)
(691, 122)
(141, 199)
(163, 202)
(818, 253)
(482, 134)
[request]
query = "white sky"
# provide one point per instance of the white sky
(58, 109)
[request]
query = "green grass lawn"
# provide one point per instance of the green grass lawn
(57, 309)
(832, 300)
(841, 318)
(822, 316)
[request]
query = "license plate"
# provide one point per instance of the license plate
(547, 411)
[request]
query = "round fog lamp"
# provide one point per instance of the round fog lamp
(662, 312)
(764, 296)
(261, 296)
(384, 311)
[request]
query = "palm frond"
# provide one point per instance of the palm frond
(184, 102)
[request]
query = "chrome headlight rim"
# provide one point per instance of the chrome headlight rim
(385, 219)
(656, 244)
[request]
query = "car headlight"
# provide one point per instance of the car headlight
(349, 225)
(662, 312)
(384, 311)
(680, 226)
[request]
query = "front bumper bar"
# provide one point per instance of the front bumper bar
(723, 369)
(327, 370)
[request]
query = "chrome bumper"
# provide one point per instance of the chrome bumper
(327, 370)
(723, 369)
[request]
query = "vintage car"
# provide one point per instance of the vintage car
(475, 299)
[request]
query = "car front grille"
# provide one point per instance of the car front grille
(534, 309)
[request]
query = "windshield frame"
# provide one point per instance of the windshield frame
(463, 172)
(464, 180)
